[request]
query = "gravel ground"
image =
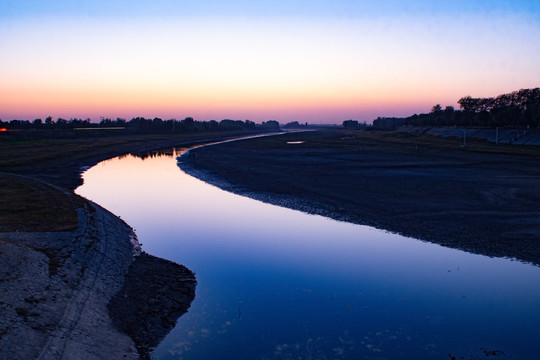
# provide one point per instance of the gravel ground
(57, 286)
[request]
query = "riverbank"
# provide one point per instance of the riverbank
(58, 285)
(61, 161)
(482, 199)
(75, 283)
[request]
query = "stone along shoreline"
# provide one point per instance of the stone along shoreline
(88, 293)
(78, 286)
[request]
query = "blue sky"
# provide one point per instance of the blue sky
(318, 8)
(315, 61)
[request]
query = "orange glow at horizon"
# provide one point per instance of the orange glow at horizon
(272, 69)
(254, 106)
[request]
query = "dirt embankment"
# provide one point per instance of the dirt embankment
(74, 282)
(61, 281)
(483, 201)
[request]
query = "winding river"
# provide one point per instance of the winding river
(275, 283)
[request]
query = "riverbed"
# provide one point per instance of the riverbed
(275, 283)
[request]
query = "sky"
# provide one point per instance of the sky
(288, 60)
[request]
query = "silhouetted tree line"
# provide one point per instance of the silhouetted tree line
(139, 125)
(354, 124)
(295, 125)
(518, 109)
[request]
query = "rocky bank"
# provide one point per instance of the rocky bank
(56, 291)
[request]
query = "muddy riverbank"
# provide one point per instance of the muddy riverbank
(483, 201)
(75, 284)
(57, 288)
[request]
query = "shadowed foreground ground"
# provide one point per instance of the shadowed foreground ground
(74, 283)
(483, 199)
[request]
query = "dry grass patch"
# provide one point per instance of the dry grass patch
(30, 205)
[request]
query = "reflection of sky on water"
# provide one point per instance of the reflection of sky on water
(277, 283)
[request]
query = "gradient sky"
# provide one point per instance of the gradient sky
(315, 61)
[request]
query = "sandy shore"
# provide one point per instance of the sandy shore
(485, 203)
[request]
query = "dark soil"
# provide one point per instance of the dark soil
(155, 294)
(483, 199)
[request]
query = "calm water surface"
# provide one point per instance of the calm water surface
(274, 283)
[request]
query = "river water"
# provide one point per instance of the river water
(275, 283)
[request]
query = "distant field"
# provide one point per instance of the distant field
(437, 142)
(27, 204)
(34, 154)
(350, 139)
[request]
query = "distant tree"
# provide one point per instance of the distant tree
(388, 123)
(292, 125)
(106, 122)
(188, 123)
(350, 124)
(483, 118)
(458, 118)
(248, 124)
(228, 124)
(437, 108)
(271, 124)
(61, 123)
(213, 125)
(467, 104)
(157, 125)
